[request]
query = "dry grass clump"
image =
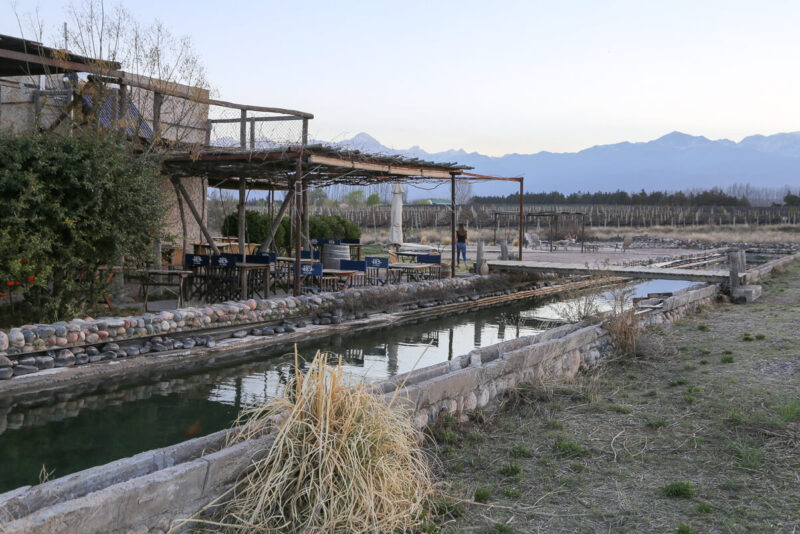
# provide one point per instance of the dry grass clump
(342, 461)
(622, 323)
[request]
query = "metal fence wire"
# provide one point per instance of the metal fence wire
(252, 130)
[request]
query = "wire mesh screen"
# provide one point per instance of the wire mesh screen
(255, 131)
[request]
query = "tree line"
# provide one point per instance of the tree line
(710, 197)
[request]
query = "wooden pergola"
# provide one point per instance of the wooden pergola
(296, 169)
(293, 167)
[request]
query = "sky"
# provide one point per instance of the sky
(494, 77)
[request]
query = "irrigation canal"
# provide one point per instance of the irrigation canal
(95, 427)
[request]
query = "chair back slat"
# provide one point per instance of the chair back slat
(350, 241)
(309, 254)
(258, 259)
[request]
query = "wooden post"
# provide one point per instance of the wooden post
(306, 185)
(453, 251)
(196, 215)
(157, 98)
(243, 130)
(298, 193)
(521, 209)
(123, 110)
(733, 261)
(252, 134)
(287, 200)
(242, 230)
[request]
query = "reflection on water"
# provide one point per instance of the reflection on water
(96, 424)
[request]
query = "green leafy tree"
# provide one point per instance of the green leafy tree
(71, 206)
(791, 200)
(317, 197)
(355, 197)
(374, 200)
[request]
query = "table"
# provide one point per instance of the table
(163, 278)
(413, 271)
(343, 276)
(284, 272)
(412, 254)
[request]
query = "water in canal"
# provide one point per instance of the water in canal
(100, 426)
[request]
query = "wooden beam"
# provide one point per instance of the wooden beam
(225, 104)
(196, 215)
(258, 119)
(274, 228)
(298, 228)
(243, 130)
(400, 170)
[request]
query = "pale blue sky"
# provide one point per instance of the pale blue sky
(496, 77)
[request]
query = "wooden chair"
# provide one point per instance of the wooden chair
(374, 266)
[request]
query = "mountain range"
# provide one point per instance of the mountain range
(676, 161)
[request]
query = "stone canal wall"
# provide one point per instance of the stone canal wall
(33, 348)
(148, 492)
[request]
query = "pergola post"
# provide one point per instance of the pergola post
(453, 251)
(195, 214)
(298, 221)
(521, 209)
(242, 230)
(306, 184)
(157, 98)
(287, 200)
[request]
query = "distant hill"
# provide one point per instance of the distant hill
(676, 161)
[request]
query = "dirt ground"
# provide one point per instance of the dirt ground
(701, 433)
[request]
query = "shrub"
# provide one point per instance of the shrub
(73, 205)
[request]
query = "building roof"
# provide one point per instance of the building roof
(22, 57)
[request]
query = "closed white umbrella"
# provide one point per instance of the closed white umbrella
(396, 230)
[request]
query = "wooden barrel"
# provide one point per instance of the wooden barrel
(331, 254)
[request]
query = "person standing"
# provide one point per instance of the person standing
(461, 244)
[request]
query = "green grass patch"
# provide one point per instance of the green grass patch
(511, 493)
(656, 423)
(521, 451)
(703, 508)
(703, 328)
(511, 470)
(502, 527)
(446, 436)
(704, 351)
(620, 409)
(568, 448)
(760, 337)
(482, 494)
(747, 337)
(678, 490)
(683, 528)
(788, 411)
(675, 382)
(726, 351)
(726, 359)
(749, 457)
(554, 424)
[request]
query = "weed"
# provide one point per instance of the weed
(656, 423)
(747, 337)
(445, 508)
(735, 417)
(631, 376)
(688, 399)
(749, 457)
(521, 451)
(683, 528)
(511, 493)
(703, 328)
(703, 362)
(651, 393)
(457, 467)
(577, 466)
(788, 411)
(511, 470)
(447, 436)
(678, 490)
(726, 351)
(568, 448)
(543, 461)
(761, 337)
(726, 359)
(675, 382)
(690, 367)
(703, 508)
(553, 424)
(620, 409)
(502, 527)
(476, 437)
(705, 351)
(482, 494)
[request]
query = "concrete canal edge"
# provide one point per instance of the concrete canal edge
(149, 492)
